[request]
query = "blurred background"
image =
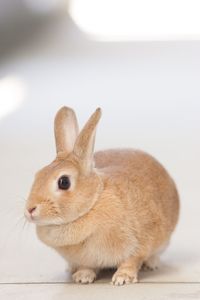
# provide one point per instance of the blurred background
(139, 60)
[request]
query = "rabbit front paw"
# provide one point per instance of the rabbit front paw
(84, 276)
(121, 278)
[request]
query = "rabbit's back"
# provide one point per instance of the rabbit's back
(150, 193)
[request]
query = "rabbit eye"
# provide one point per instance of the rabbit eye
(64, 183)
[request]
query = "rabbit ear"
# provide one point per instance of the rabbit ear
(84, 146)
(65, 129)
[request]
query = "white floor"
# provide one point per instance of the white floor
(150, 97)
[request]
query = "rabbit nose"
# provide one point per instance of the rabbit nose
(32, 209)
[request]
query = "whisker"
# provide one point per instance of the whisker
(25, 224)
(11, 231)
(13, 216)
(13, 206)
(21, 198)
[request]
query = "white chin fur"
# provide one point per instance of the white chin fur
(46, 222)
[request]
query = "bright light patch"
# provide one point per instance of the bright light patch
(12, 94)
(109, 20)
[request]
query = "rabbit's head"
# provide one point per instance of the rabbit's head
(68, 187)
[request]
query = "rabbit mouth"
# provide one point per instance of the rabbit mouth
(32, 213)
(33, 216)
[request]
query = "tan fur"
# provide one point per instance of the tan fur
(116, 214)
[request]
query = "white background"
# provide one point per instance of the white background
(150, 96)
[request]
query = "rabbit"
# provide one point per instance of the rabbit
(110, 209)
